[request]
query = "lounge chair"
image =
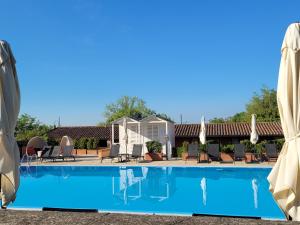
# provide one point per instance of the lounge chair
(239, 152)
(114, 153)
(45, 153)
(55, 153)
(213, 152)
(193, 151)
(271, 152)
(136, 152)
(67, 152)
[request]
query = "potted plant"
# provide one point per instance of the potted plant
(182, 151)
(154, 151)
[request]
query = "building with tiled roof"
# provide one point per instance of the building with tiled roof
(220, 132)
(227, 132)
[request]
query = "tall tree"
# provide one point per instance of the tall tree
(28, 127)
(133, 107)
(264, 105)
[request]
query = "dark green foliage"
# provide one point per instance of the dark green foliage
(249, 146)
(90, 143)
(96, 143)
(154, 146)
(83, 143)
(263, 104)
(227, 148)
(76, 143)
(29, 127)
(133, 107)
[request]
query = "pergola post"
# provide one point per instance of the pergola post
(112, 134)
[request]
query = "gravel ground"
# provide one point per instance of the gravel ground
(35, 217)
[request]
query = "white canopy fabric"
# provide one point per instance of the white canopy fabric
(36, 142)
(254, 135)
(66, 141)
(125, 132)
(10, 107)
(285, 176)
(202, 135)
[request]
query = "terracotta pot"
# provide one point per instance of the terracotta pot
(103, 152)
(184, 156)
(92, 151)
(153, 156)
(80, 151)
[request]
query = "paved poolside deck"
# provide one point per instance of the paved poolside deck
(93, 160)
(35, 217)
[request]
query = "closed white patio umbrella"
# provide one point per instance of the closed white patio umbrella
(10, 106)
(125, 132)
(285, 176)
(254, 135)
(202, 135)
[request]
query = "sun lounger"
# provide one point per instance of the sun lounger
(136, 152)
(271, 152)
(213, 152)
(114, 153)
(239, 152)
(45, 153)
(55, 153)
(67, 152)
(193, 152)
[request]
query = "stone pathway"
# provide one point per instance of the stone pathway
(64, 218)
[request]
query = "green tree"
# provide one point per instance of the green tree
(218, 120)
(238, 117)
(264, 105)
(28, 127)
(133, 107)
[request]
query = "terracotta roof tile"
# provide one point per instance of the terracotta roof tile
(181, 130)
(103, 133)
(228, 129)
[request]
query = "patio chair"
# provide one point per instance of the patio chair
(136, 152)
(213, 152)
(45, 153)
(67, 152)
(193, 151)
(55, 153)
(114, 153)
(239, 152)
(271, 152)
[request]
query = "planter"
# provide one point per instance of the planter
(184, 155)
(92, 151)
(80, 151)
(103, 152)
(153, 156)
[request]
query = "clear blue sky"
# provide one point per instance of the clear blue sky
(182, 57)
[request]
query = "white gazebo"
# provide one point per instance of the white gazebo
(151, 128)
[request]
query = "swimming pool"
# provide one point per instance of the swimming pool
(158, 190)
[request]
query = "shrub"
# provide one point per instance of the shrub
(249, 146)
(96, 143)
(260, 147)
(227, 148)
(154, 146)
(82, 143)
(90, 143)
(184, 146)
(76, 143)
(180, 150)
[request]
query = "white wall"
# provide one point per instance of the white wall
(145, 136)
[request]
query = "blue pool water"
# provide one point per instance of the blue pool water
(161, 190)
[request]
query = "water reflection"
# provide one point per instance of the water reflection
(255, 192)
(204, 193)
(135, 183)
